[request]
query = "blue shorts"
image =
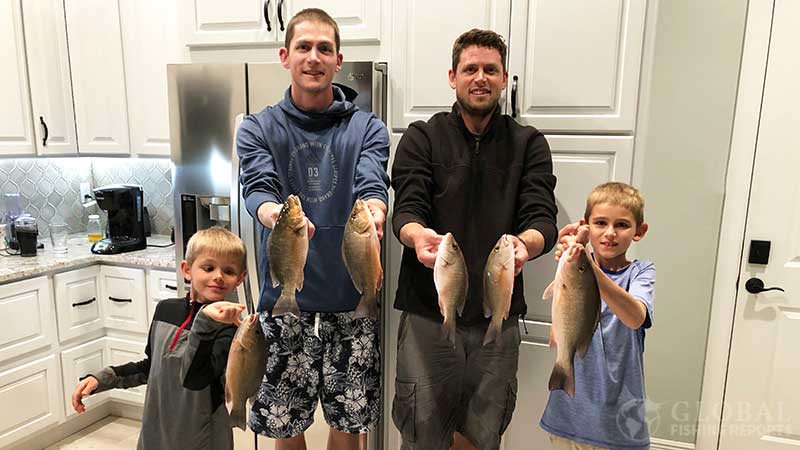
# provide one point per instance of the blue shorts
(325, 356)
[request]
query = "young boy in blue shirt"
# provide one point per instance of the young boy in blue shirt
(608, 410)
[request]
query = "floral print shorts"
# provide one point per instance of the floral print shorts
(325, 356)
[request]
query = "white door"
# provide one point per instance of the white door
(16, 132)
(762, 395)
(358, 20)
(423, 36)
(98, 76)
(574, 65)
(232, 22)
(51, 85)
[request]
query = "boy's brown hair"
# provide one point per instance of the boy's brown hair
(311, 15)
(219, 242)
(620, 194)
(481, 38)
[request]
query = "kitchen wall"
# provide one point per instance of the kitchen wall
(51, 187)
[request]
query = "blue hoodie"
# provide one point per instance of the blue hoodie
(328, 159)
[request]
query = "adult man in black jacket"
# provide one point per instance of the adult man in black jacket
(477, 174)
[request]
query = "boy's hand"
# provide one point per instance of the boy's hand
(572, 233)
(84, 389)
(224, 312)
(426, 244)
(520, 254)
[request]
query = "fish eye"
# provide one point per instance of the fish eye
(581, 268)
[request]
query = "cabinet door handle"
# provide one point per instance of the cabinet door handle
(266, 15)
(46, 131)
(121, 300)
(514, 97)
(91, 300)
(171, 287)
(280, 13)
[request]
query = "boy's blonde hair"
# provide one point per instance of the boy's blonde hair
(219, 242)
(619, 194)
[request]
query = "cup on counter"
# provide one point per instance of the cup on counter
(58, 236)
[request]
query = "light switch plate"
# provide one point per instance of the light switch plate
(86, 191)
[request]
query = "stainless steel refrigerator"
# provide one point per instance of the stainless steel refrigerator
(207, 103)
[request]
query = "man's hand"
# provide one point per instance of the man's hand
(572, 233)
(426, 244)
(520, 254)
(269, 212)
(224, 312)
(378, 210)
(84, 389)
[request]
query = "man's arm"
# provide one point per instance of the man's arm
(261, 188)
(371, 182)
(412, 180)
(424, 241)
(536, 216)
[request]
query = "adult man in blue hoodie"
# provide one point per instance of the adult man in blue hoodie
(319, 146)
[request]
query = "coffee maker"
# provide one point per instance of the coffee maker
(26, 234)
(125, 206)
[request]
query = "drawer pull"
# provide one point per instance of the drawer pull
(171, 287)
(121, 300)
(91, 300)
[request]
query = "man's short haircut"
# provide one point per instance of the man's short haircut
(311, 15)
(481, 38)
(219, 242)
(618, 194)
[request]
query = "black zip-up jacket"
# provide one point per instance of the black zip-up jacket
(477, 188)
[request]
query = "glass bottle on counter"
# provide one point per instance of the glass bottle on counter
(94, 229)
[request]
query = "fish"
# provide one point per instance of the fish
(287, 249)
(498, 285)
(245, 369)
(575, 314)
(361, 252)
(452, 282)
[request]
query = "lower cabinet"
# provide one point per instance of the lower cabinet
(27, 307)
(121, 351)
(78, 302)
(124, 298)
(32, 399)
(79, 361)
(161, 284)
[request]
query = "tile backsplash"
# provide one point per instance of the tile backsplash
(50, 187)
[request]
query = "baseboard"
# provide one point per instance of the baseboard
(666, 444)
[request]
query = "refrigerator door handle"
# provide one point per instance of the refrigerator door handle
(241, 226)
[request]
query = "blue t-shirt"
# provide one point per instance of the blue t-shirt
(608, 409)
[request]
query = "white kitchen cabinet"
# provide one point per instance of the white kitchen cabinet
(49, 74)
(122, 351)
(98, 76)
(31, 399)
(575, 64)
(161, 284)
(16, 130)
(422, 43)
(150, 41)
(78, 362)
(78, 302)
(29, 317)
(263, 22)
(124, 299)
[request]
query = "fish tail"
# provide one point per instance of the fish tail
(367, 307)
(449, 330)
(563, 378)
(286, 304)
(493, 332)
(238, 416)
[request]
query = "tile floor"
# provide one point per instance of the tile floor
(111, 433)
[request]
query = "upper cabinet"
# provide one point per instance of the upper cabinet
(574, 65)
(16, 127)
(150, 41)
(49, 72)
(263, 22)
(98, 76)
(423, 37)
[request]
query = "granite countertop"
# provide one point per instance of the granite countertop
(13, 268)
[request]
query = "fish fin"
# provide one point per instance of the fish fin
(583, 348)
(367, 307)
(461, 307)
(449, 330)
(487, 309)
(562, 378)
(549, 291)
(238, 416)
(274, 278)
(493, 332)
(380, 280)
(356, 283)
(286, 304)
(552, 341)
